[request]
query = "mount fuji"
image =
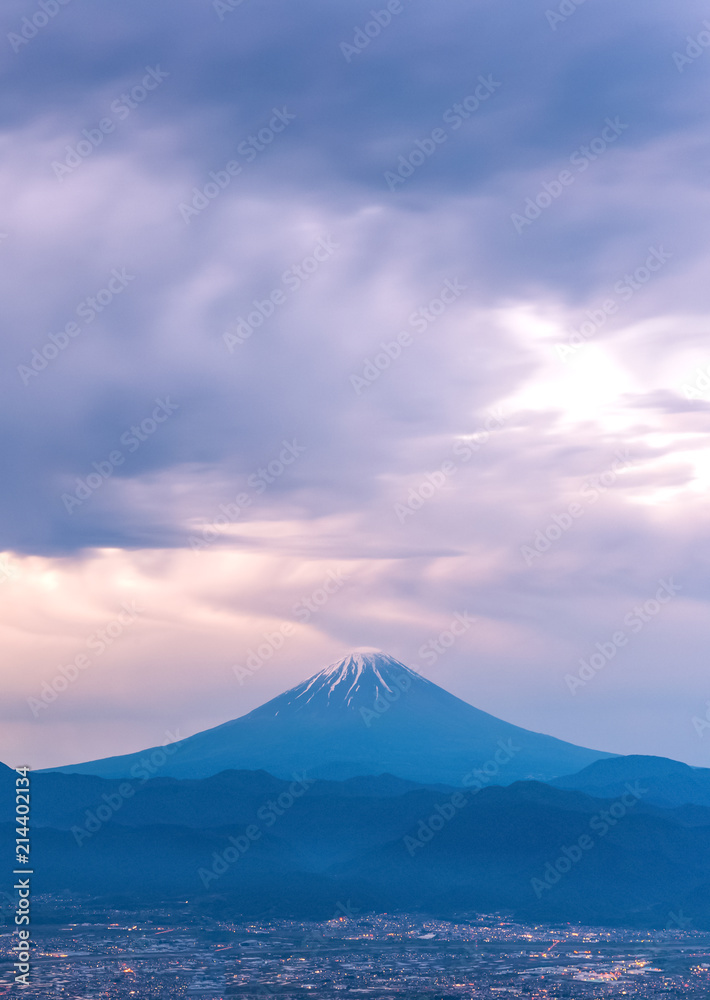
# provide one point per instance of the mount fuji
(367, 714)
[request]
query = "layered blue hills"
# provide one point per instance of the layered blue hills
(367, 714)
(383, 844)
(667, 783)
(371, 784)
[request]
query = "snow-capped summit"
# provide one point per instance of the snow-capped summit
(365, 714)
(358, 679)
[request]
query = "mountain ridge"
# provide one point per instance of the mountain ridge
(365, 714)
(668, 783)
(416, 850)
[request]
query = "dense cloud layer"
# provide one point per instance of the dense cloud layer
(447, 279)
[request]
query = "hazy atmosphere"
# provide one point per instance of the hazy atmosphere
(317, 338)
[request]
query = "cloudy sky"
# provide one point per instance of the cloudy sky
(413, 305)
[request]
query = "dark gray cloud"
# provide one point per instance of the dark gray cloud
(119, 239)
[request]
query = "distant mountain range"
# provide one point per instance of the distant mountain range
(367, 714)
(668, 783)
(370, 785)
(251, 844)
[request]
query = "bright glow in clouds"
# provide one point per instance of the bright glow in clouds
(407, 502)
